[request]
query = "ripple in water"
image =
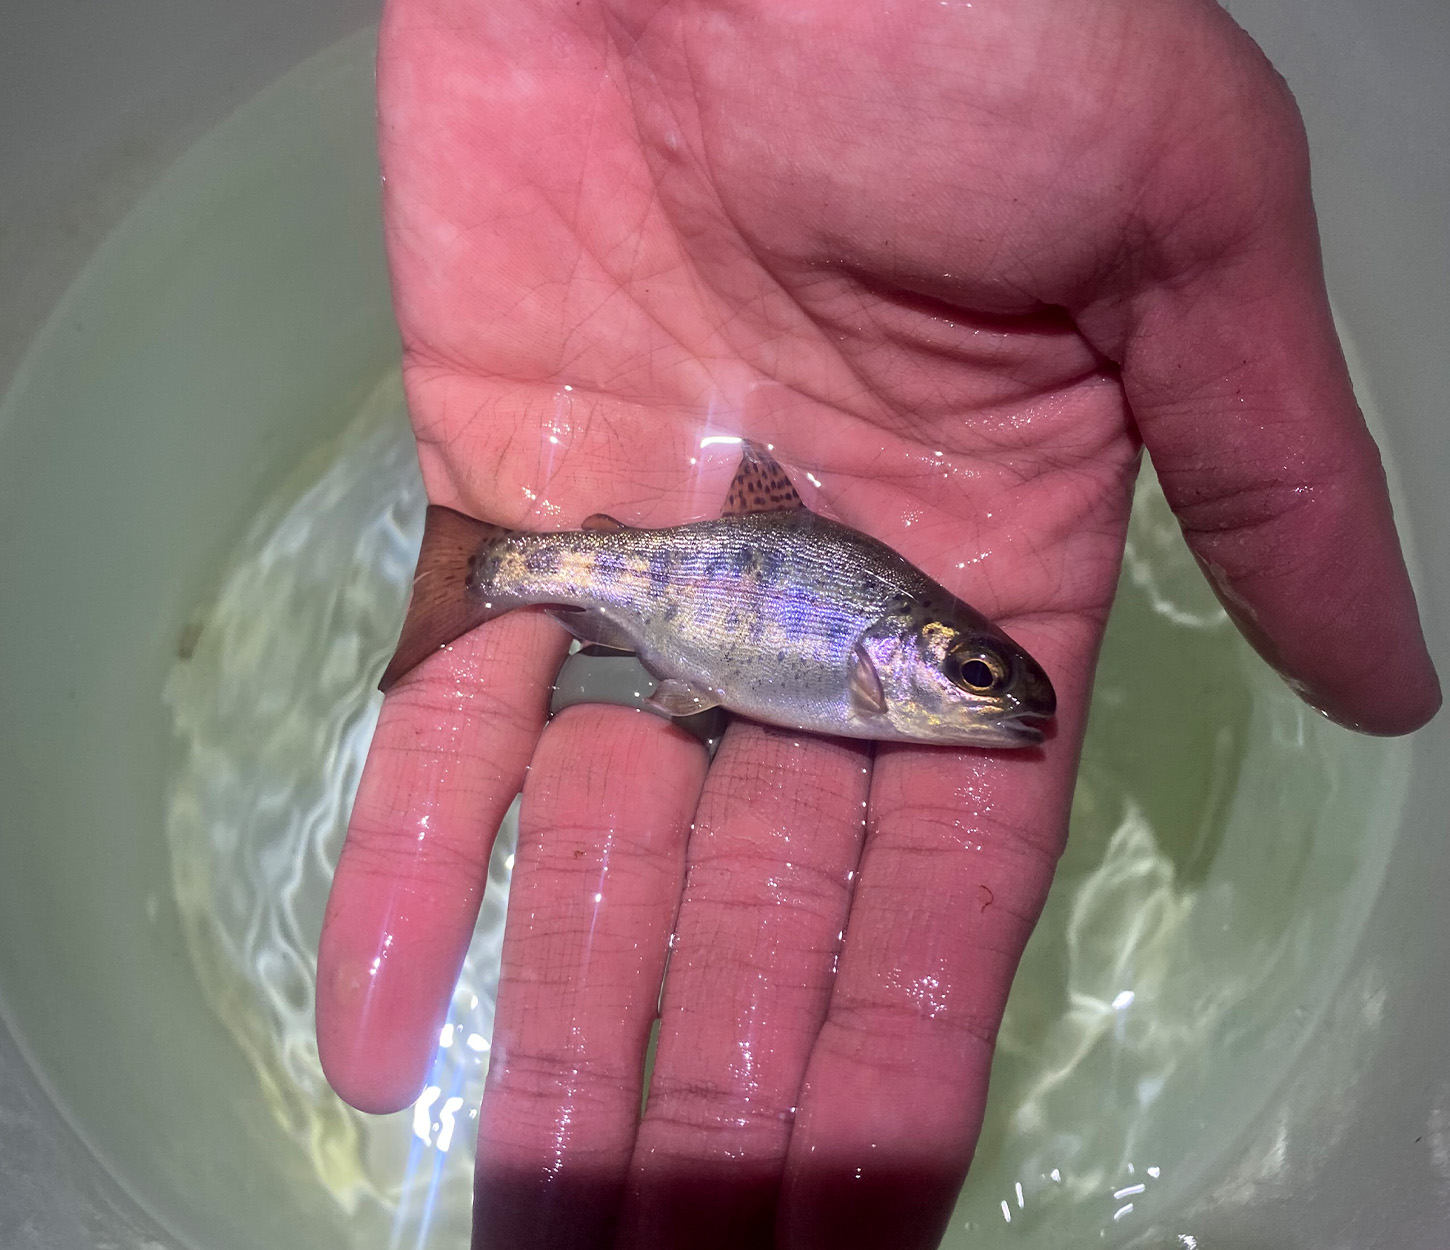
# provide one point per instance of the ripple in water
(1187, 917)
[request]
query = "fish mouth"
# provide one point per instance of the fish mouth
(1026, 729)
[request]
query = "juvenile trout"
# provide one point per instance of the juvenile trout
(770, 611)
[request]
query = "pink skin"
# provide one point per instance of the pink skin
(954, 262)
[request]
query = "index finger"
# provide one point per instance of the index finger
(960, 850)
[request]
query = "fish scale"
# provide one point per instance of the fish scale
(755, 593)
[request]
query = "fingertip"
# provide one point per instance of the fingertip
(371, 1093)
(375, 1031)
(1355, 653)
(1425, 705)
(1406, 697)
(374, 1083)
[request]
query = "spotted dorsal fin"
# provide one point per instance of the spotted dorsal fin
(760, 485)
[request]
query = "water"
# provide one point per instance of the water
(1194, 916)
(242, 557)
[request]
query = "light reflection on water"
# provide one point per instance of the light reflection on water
(1180, 933)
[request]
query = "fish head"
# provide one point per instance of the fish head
(947, 675)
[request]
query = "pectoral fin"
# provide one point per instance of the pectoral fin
(680, 698)
(866, 694)
(760, 485)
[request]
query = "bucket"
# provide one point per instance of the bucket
(195, 331)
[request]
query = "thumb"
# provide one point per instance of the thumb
(1235, 376)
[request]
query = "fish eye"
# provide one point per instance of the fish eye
(977, 672)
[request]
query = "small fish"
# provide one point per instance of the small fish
(771, 611)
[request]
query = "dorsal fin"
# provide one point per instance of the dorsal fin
(602, 522)
(760, 485)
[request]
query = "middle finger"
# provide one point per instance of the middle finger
(768, 886)
(602, 830)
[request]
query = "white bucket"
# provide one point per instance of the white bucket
(113, 524)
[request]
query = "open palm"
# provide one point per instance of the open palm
(953, 262)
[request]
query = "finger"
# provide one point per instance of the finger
(602, 831)
(770, 865)
(447, 758)
(1234, 371)
(959, 854)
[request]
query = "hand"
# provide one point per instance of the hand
(954, 261)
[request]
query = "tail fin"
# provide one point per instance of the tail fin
(442, 607)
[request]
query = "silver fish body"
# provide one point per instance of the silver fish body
(782, 616)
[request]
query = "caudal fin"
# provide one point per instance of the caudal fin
(442, 607)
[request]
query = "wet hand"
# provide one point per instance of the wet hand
(954, 263)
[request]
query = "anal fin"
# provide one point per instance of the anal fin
(681, 698)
